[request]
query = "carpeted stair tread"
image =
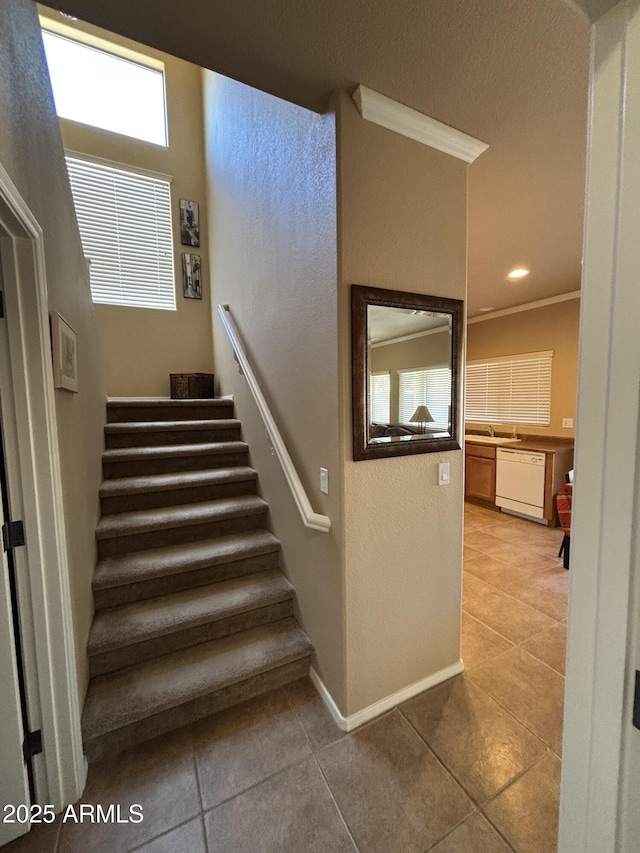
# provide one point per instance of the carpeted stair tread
(154, 563)
(145, 620)
(171, 426)
(164, 518)
(179, 480)
(159, 402)
(121, 698)
(130, 454)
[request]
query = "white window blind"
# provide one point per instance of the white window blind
(516, 389)
(380, 397)
(125, 225)
(427, 386)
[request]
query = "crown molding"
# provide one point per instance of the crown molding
(394, 116)
(526, 306)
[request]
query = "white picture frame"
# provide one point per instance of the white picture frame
(64, 343)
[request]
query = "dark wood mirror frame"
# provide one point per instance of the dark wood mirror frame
(361, 298)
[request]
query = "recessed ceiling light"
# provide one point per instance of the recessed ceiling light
(485, 310)
(520, 272)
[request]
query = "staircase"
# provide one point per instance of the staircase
(192, 612)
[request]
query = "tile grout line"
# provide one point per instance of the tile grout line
(519, 645)
(515, 598)
(478, 804)
(517, 719)
(166, 832)
(335, 802)
(506, 787)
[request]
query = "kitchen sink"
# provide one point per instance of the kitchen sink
(494, 439)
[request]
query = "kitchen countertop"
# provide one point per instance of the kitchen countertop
(541, 445)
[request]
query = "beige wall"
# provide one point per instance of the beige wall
(553, 327)
(402, 224)
(273, 223)
(143, 346)
(425, 351)
(31, 152)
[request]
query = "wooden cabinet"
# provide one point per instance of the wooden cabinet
(480, 474)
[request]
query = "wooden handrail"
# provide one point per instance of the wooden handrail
(309, 518)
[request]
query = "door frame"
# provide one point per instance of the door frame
(604, 562)
(61, 776)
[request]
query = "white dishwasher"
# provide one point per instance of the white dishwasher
(520, 481)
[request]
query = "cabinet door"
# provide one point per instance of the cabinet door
(480, 478)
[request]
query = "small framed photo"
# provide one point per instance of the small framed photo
(191, 276)
(65, 354)
(189, 223)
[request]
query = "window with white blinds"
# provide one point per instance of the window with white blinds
(125, 225)
(516, 389)
(380, 397)
(427, 386)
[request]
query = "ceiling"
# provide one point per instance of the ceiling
(386, 323)
(512, 73)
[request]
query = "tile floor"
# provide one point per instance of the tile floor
(471, 766)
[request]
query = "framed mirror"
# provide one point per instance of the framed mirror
(406, 350)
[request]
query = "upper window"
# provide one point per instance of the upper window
(515, 389)
(124, 219)
(101, 89)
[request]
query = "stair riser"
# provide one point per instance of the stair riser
(172, 464)
(178, 581)
(143, 730)
(133, 414)
(170, 437)
(129, 655)
(178, 535)
(175, 497)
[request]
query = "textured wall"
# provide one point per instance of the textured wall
(31, 152)
(273, 225)
(554, 327)
(143, 346)
(402, 225)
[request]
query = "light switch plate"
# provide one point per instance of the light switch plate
(567, 423)
(444, 474)
(324, 481)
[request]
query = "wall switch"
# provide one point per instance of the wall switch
(444, 476)
(567, 423)
(324, 481)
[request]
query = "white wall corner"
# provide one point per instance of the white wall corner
(348, 724)
(394, 116)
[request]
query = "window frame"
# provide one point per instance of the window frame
(119, 52)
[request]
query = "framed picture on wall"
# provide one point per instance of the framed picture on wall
(189, 223)
(65, 354)
(191, 276)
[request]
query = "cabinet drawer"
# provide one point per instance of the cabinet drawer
(479, 450)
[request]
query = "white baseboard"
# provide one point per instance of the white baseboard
(348, 724)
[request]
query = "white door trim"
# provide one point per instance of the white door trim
(26, 303)
(604, 509)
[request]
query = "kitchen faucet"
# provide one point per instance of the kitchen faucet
(489, 429)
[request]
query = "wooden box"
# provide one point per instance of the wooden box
(191, 386)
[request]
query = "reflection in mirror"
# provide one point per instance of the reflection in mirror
(409, 373)
(406, 349)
